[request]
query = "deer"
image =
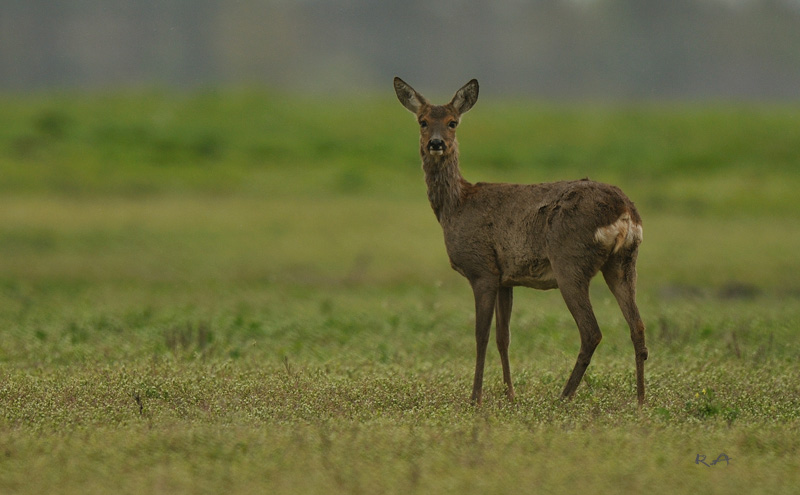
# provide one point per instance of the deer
(542, 236)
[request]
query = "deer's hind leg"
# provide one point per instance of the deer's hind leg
(620, 275)
(575, 291)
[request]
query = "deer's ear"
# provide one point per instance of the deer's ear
(465, 97)
(408, 96)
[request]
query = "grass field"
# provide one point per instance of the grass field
(241, 292)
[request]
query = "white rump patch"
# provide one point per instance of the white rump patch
(622, 233)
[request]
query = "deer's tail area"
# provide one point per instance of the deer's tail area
(623, 233)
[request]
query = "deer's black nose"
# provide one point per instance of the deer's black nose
(435, 145)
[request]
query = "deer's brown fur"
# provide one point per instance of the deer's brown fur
(544, 236)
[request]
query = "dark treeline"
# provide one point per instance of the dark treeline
(641, 49)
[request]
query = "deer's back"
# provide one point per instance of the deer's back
(518, 231)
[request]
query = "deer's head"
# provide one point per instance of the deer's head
(437, 123)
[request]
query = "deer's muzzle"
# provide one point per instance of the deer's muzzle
(436, 147)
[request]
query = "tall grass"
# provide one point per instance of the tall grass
(701, 159)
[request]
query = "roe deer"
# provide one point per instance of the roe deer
(544, 236)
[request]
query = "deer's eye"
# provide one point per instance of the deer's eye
(452, 124)
(423, 123)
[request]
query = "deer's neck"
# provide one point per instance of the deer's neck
(445, 184)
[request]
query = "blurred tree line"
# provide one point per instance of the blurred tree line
(625, 49)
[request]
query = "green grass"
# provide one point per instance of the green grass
(243, 292)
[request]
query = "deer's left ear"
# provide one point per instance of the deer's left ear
(465, 97)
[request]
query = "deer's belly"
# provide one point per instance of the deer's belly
(536, 275)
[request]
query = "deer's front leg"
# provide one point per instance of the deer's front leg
(485, 298)
(503, 336)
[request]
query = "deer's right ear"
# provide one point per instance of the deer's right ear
(408, 96)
